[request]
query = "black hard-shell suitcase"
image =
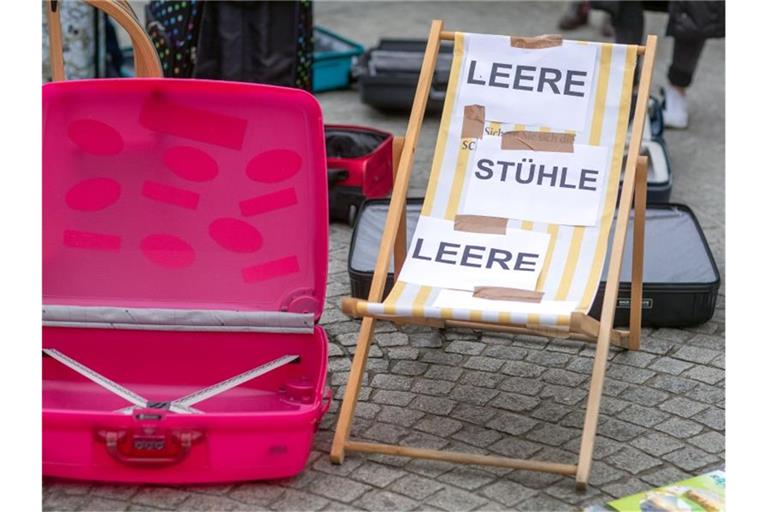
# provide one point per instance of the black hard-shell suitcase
(680, 277)
(388, 73)
(659, 184)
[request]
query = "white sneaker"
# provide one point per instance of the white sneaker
(675, 109)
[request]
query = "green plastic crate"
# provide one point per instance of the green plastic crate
(333, 58)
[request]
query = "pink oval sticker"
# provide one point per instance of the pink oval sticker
(167, 251)
(235, 235)
(191, 163)
(95, 137)
(274, 166)
(93, 195)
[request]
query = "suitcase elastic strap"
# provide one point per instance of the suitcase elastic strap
(181, 405)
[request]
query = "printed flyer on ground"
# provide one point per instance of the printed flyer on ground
(704, 493)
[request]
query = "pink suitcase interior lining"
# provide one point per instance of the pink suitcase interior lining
(174, 194)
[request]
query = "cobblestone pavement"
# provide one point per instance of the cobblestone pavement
(663, 408)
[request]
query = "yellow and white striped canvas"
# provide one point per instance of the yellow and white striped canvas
(574, 259)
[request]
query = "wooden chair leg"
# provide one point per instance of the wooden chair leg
(347, 412)
(638, 247)
(54, 40)
(400, 238)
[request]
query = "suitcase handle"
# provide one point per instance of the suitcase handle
(436, 95)
(336, 175)
(116, 442)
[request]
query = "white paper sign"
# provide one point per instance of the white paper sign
(439, 256)
(539, 186)
(548, 87)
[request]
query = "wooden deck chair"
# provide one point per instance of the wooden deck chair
(569, 256)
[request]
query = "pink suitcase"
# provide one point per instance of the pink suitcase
(185, 243)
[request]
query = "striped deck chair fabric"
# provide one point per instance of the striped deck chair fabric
(573, 261)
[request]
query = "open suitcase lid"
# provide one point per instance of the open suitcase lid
(183, 204)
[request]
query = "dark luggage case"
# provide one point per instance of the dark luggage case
(387, 74)
(659, 172)
(680, 278)
(359, 168)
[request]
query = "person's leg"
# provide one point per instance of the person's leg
(685, 57)
(628, 23)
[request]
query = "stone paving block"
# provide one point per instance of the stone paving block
(452, 498)
(505, 352)
(563, 394)
(324, 464)
(467, 477)
(390, 397)
(563, 377)
(665, 476)
(422, 386)
(565, 346)
(60, 501)
(521, 385)
(679, 428)
(618, 430)
(542, 503)
(514, 402)
(657, 444)
(695, 354)
(386, 433)
(712, 442)
(207, 502)
(643, 416)
(472, 348)
(385, 500)
(603, 446)
(377, 475)
(424, 338)
(705, 374)
(514, 447)
(551, 412)
(644, 395)
(104, 504)
(477, 436)
(602, 474)
(672, 384)
(534, 479)
(443, 372)
(392, 382)
(708, 341)
(294, 500)
(530, 341)
(374, 351)
(510, 423)
(337, 488)
(392, 339)
(348, 339)
(429, 468)
(682, 406)
(425, 440)
(114, 492)
(434, 404)
(632, 460)
(486, 364)
(690, 459)
(631, 358)
(472, 395)
(677, 336)
(482, 379)
(261, 495)
(407, 353)
(612, 406)
(719, 361)
(399, 415)
(581, 365)
(473, 414)
(522, 369)
(441, 357)
(416, 487)
(549, 359)
(439, 426)
(334, 350)
(630, 374)
(339, 364)
(410, 368)
(613, 387)
(628, 488)
(160, 497)
(670, 365)
(552, 435)
(507, 493)
(714, 418)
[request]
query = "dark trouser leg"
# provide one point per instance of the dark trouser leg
(629, 23)
(685, 57)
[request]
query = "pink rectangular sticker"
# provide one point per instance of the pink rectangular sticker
(271, 269)
(171, 195)
(89, 240)
(268, 202)
(193, 123)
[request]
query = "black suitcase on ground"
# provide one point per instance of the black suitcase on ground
(388, 73)
(680, 278)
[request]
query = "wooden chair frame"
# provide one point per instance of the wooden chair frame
(582, 327)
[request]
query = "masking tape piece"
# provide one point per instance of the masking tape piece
(538, 141)
(480, 224)
(537, 42)
(474, 122)
(501, 293)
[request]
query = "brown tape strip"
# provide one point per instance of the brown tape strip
(501, 293)
(480, 224)
(538, 141)
(474, 122)
(537, 42)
